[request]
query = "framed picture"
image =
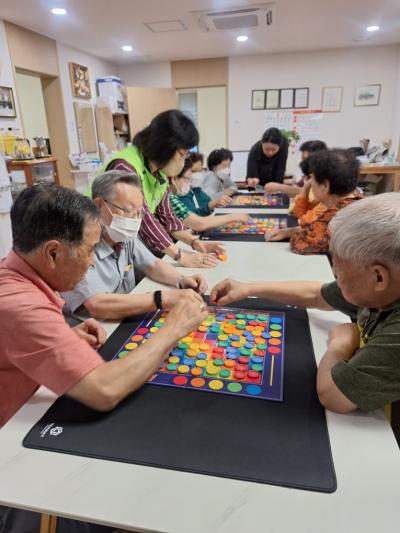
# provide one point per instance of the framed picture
(301, 98)
(258, 99)
(286, 98)
(367, 95)
(80, 81)
(331, 99)
(7, 104)
(272, 99)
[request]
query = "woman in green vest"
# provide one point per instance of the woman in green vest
(159, 151)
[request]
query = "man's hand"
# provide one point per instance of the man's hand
(172, 297)
(197, 282)
(272, 188)
(228, 291)
(185, 316)
(91, 332)
(252, 182)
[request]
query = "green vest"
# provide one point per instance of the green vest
(153, 189)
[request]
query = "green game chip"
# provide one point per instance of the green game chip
(224, 373)
(123, 354)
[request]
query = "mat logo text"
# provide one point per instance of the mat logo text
(54, 431)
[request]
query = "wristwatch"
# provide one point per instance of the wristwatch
(157, 299)
(178, 255)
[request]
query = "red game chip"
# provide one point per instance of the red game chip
(180, 380)
(142, 331)
(241, 368)
(230, 316)
(259, 353)
(243, 360)
(218, 349)
(239, 375)
(274, 349)
(252, 374)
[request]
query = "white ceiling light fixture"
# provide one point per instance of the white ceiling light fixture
(59, 11)
(127, 48)
(242, 38)
(373, 28)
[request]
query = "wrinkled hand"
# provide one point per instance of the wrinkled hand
(252, 182)
(344, 337)
(91, 332)
(243, 218)
(197, 282)
(172, 297)
(276, 235)
(228, 291)
(185, 316)
(198, 260)
(272, 188)
(224, 200)
(209, 247)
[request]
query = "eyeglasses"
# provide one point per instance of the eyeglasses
(183, 153)
(131, 212)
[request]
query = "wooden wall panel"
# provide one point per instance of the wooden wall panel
(145, 103)
(199, 73)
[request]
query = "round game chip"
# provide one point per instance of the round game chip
(201, 363)
(201, 355)
(131, 345)
(241, 368)
(198, 382)
(180, 380)
(212, 370)
(239, 375)
(142, 331)
(243, 360)
(176, 352)
(244, 351)
(257, 367)
(215, 384)
(276, 334)
(218, 362)
(276, 320)
(124, 353)
(172, 367)
(274, 350)
(275, 342)
(229, 316)
(276, 327)
(224, 374)
(252, 374)
(183, 369)
(265, 335)
(137, 338)
(188, 362)
(234, 387)
(254, 390)
(232, 355)
(173, 359)
(234, 338)
(196, 371)
(229, 363)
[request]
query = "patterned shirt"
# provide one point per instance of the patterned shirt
(180, 209)
(155, 230)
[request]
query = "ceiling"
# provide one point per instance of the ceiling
(101, 27)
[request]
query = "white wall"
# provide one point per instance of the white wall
(30, 96)
(343, 67)
(147, 74)
(97, 69)
(7, 79)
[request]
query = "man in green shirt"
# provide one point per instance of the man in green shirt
(361, 367)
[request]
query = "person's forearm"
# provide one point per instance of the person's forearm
(117, 306)
(171, 251)
(290, 190)
(111, 382)
(214, 221)
(296, 293)
(183, 236)
(163, 272)
(328, 392)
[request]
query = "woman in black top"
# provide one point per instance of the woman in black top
(267, 159)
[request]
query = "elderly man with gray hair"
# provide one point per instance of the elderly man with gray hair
(105, 292)
(361, 367)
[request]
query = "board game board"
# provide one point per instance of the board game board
(237, 352)
(273, 201)
(253, 230)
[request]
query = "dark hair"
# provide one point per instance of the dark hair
(272, 135)
(165, 134)
(216, 157)
(188, 164)
(338, 167)
(103, 185)
(47, 211)
(195, 157)
(305, 166)
(313, 146)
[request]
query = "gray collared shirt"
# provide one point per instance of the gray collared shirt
(214, 186)
(112, 273)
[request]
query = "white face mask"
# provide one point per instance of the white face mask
(185, 189)
(123, 229)
(197, 179)
(224, 173)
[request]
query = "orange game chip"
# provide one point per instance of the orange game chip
(198, 382)
(202, 328)
(137, 338)
(196, 371)
(191, 353)
(275, 342)
(236, 344)
(229, 363)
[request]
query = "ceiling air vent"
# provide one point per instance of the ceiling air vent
(253, 16)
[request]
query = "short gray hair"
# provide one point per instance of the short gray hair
(103, 185)
(368, 231)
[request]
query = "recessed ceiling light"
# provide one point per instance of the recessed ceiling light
(372, 28)
(242, 38)
(127, 48)
(59, 11)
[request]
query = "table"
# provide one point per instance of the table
(31, 169)
(392, 171)
(366, 457)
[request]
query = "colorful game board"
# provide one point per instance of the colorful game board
(273, 201)
(237, 352)
(253, 230)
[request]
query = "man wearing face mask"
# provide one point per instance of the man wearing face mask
(158, 152)
(218, 181)
(105, 292)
